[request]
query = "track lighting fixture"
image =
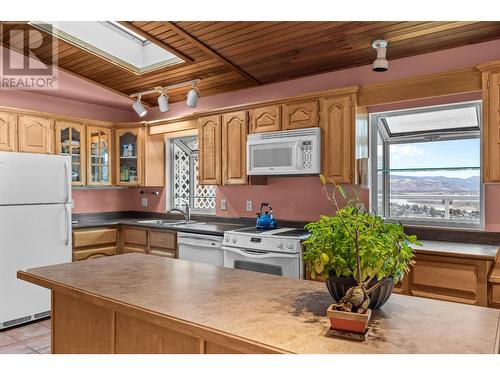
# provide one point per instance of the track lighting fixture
(380, 64)
(192, 96)
(163, 102)
(138, 107)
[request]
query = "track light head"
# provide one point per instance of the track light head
(192, 96)
(139, 108)
(163, 102)
(380, 64)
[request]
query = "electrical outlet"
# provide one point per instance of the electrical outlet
(144, 202)
(249, 206)
(223, 204)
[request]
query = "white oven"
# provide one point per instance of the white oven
(283, 264)
(291, 152)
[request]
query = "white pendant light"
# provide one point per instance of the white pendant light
(192, 96)
(380, 64)
(163, 102)
(139, 108)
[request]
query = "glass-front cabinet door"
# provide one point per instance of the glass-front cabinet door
(128, 156)
(99, 161)
(70, 141)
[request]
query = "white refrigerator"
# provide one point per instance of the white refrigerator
(35, 229)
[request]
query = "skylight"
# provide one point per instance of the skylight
(464, 118)
(113, 42)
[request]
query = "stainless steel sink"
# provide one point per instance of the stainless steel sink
(185, 223)
(160, 222)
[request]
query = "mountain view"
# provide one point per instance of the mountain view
(434, 184)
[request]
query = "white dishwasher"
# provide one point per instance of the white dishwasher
(201, 248)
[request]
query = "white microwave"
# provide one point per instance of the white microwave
(291, 152)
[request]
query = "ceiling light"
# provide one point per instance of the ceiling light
(192, 96)
(380, 64)
(163, 102)
(139, 108)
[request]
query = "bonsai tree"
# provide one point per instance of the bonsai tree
(355, 243)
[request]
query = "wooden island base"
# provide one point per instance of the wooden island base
(135, 303)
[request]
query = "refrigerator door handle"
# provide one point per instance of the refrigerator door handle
(68, 223)
(66, 185)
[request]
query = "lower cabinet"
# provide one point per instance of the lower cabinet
(148, 241)
(92, 243)
(494, 287)
(163, 243)
(133, 240)
(449, 278)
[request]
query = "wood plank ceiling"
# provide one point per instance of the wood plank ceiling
(228, 56)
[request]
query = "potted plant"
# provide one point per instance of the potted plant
(359, 255)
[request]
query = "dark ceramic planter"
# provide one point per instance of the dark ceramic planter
(338, 286)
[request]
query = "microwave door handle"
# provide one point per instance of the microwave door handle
(259, 256)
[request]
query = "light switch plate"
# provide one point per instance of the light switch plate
(249, 206)
(223, 204)
(144, 202)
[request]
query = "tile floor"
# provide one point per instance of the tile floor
(33, 338)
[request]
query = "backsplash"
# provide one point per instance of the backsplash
(292, 198)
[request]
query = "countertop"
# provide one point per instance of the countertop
(273, 310)
(205, 227)
(459, 250)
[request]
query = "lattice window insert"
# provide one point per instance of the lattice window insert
(185, 187)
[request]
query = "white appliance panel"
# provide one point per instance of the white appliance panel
(30, 236)
(201, 248)
(34, 178)
(283, 264)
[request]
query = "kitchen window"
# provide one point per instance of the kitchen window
(426, 166)
(184, 178)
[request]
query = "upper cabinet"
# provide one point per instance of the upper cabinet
(491, 124)
(70, 141)
(209, 143)
(301, 114)
(234, 136)
(35, 134)
(338, 137)
(8, 131)
(99, 160)
(265, 119)
(128, 152)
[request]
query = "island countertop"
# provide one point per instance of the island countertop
(273, 312)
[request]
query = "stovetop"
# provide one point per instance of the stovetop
(282, 232)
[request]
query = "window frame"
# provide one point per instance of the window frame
(377, 125)
(171, 164)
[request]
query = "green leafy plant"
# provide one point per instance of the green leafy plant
(355, 243)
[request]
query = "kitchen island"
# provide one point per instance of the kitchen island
(136, 303)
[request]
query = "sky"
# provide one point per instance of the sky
(457, 153)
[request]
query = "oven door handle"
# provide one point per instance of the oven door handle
(260, 256)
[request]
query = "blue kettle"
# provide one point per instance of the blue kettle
(265, 220)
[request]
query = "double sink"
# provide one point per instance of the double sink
(170, 223)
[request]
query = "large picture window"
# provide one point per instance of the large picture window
(426, 165)
(184, 178)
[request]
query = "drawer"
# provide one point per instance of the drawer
(134, 249)
(163, 253)
(163, 239)
(135, 236)
(91, 237)
(94, 253)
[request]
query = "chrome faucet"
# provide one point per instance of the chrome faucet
(186, 212)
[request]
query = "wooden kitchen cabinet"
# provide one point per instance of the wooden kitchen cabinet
(234, 137)
(209, 143)
(338, 137)
(99, 166)
(491, 124)
(154, 161)
(128, 156)
(8, 131)
(35, 134)
(163, 243)
(134, 239)
(301, 114)
(70, 141)
(92, 243)
(265, 119)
